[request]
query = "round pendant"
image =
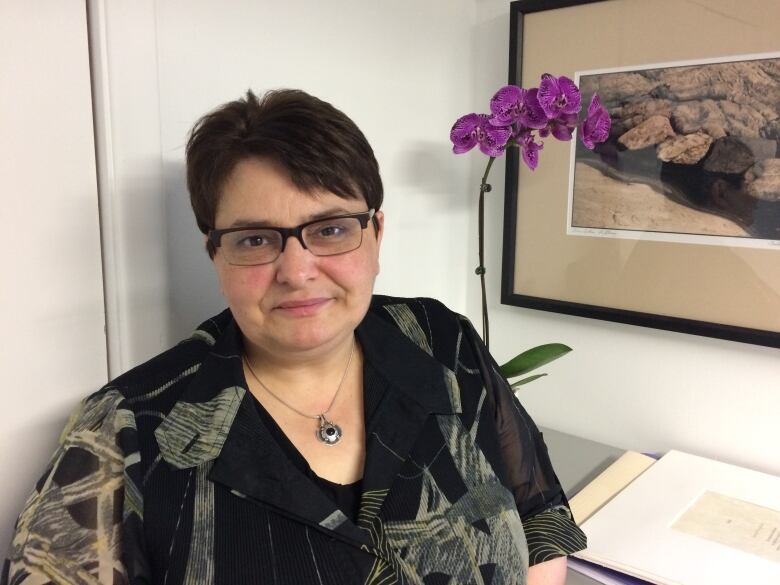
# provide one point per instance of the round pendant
(328, 433)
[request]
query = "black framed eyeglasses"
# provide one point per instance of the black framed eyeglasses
(254, 245)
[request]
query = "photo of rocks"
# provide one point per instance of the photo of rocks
(693, 150)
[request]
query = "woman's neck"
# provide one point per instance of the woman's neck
(303, 373)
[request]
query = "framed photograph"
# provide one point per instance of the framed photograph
(674, 222)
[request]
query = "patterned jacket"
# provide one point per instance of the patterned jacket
(168, 475)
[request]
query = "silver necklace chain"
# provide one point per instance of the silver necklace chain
(328, 432)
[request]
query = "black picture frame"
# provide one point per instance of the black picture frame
(518, 11)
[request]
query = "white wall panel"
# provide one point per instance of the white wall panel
(51, 296)
(124, 56)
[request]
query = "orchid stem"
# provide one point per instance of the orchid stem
(484, 188)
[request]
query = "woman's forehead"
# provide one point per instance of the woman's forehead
(258, 192)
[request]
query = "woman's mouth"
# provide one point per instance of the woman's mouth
(304, 307)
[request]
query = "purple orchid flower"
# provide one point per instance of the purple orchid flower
(519, 117)
(595, 128)
(529, 148)
(518, 114)
(559, 95)
(561, 127)
(513, 104)
(475, 129)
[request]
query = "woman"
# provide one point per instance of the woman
(312, 432)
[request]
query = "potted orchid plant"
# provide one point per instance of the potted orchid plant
(523, 118)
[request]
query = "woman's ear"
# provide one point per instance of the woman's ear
(379, 225)
(379, 230)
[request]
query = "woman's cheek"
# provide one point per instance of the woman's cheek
(244, 284)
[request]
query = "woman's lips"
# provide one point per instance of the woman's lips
(302, 308)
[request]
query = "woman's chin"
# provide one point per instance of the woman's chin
(311, 340)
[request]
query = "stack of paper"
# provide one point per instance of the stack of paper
(688, 520)
(603, 574)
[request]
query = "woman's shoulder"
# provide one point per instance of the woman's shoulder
(426, 321)
(421, 308)
(169, 367)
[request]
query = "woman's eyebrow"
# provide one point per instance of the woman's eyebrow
(241, 222)
(330, 212)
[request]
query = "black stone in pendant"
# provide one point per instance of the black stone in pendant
(328, 433)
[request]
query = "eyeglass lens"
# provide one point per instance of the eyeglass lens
(323, 238)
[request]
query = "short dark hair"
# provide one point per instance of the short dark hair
(317, 144)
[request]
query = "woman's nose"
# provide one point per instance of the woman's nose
(295, 264)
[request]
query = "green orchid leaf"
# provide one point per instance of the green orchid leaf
(524, 381)
(534, 358)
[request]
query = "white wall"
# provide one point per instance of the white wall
(51, 295)
(400, 69)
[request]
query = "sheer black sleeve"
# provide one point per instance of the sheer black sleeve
(547, 520)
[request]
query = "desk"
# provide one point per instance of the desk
(577, 462)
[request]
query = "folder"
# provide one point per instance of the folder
(689, 520)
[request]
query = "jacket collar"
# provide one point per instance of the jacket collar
(407, 364)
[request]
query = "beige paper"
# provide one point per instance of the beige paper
(608, 484)
(733, 522)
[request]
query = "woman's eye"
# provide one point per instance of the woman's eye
(330, 231)
(251, 241)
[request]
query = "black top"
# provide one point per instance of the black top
(345, 496)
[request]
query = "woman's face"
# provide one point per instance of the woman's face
(300, 303)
